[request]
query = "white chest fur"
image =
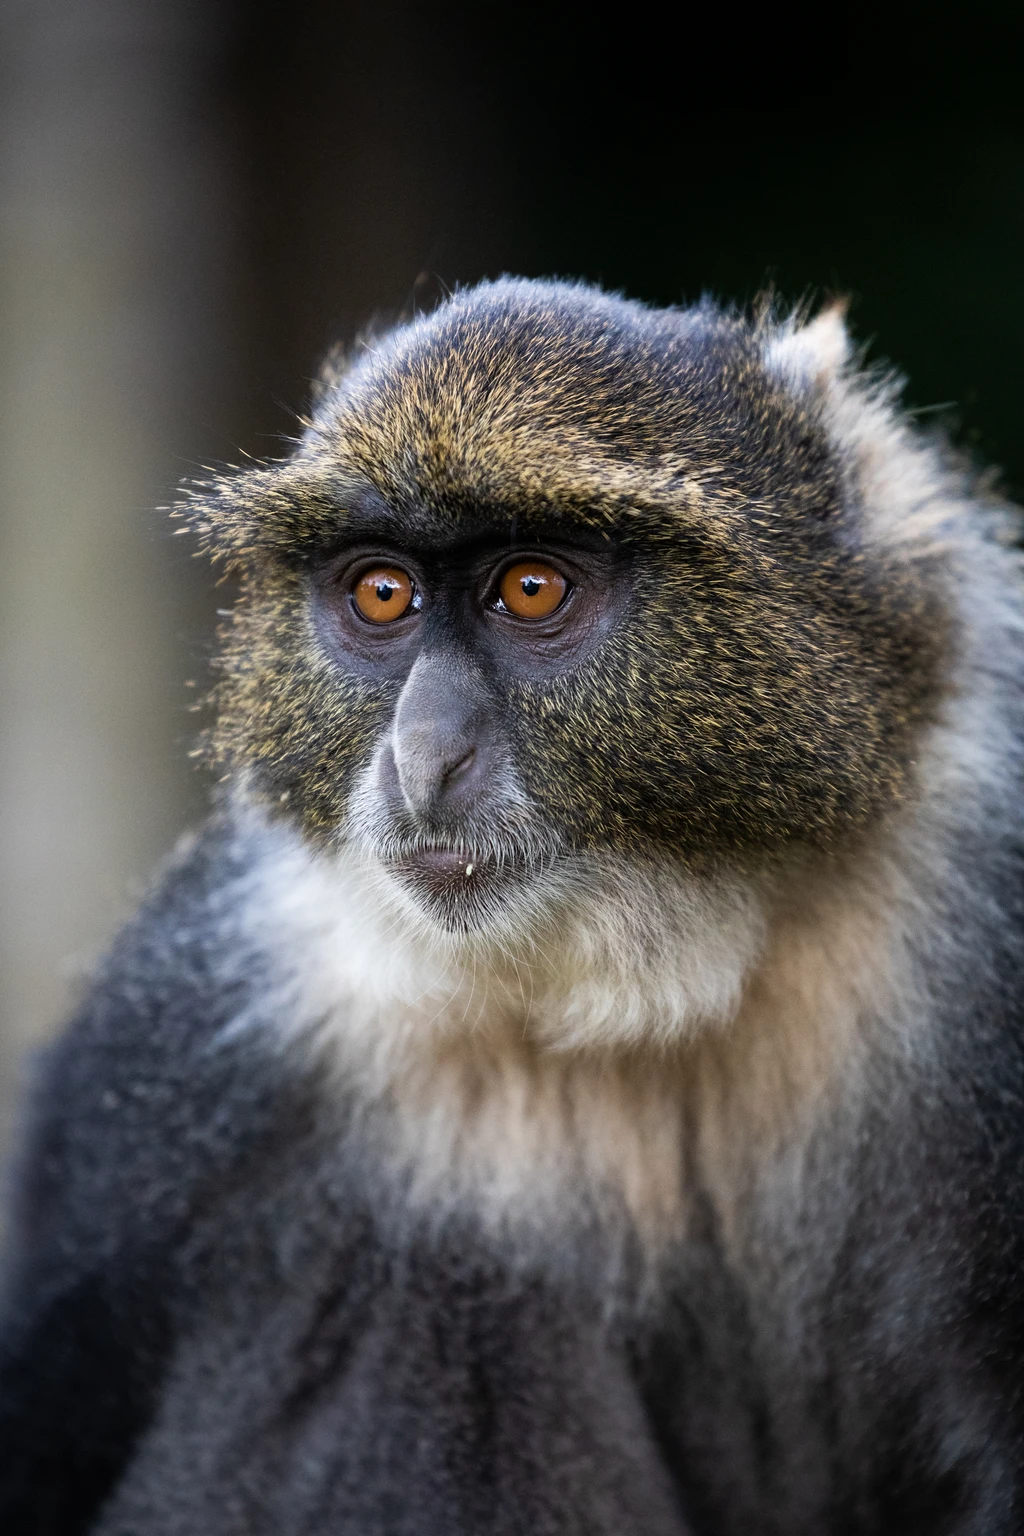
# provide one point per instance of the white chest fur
(614, 1066)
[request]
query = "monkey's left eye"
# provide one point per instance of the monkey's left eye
(384, 594)
(532, 589)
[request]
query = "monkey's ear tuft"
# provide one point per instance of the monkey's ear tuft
(814, 353)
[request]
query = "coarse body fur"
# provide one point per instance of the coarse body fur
(680, 1190)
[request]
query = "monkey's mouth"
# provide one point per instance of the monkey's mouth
(443, 870)
(457, 886)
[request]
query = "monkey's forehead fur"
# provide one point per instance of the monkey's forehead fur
(529, 400)
(793, 604)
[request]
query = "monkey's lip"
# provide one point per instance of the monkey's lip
(453, 882)
(441, 867)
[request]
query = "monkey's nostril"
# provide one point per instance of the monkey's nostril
(462, 766)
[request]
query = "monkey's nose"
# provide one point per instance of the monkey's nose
(435, 773)
(439, 739)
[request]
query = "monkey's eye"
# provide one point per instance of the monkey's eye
(383, 594)
(532, 589)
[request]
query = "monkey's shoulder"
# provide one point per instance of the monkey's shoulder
(153, 1093)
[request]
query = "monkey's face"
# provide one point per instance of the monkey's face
(469, 637)
(553, 579)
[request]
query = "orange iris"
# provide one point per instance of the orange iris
(383, 594)
(532, 589)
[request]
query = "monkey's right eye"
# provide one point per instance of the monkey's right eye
(383, 594)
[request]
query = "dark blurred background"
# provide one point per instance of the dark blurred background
(196, 199)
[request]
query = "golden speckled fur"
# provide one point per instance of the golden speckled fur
(799, 664)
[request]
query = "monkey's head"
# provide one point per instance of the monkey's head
(554, 583)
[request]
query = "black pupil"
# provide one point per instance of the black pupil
(385, 592)
(531, 586)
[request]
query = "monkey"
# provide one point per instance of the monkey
(574, 1080)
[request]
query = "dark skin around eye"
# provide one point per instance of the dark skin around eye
(526, 615)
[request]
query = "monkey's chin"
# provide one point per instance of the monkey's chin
(455, 889)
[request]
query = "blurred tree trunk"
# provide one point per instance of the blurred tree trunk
(113, 260)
